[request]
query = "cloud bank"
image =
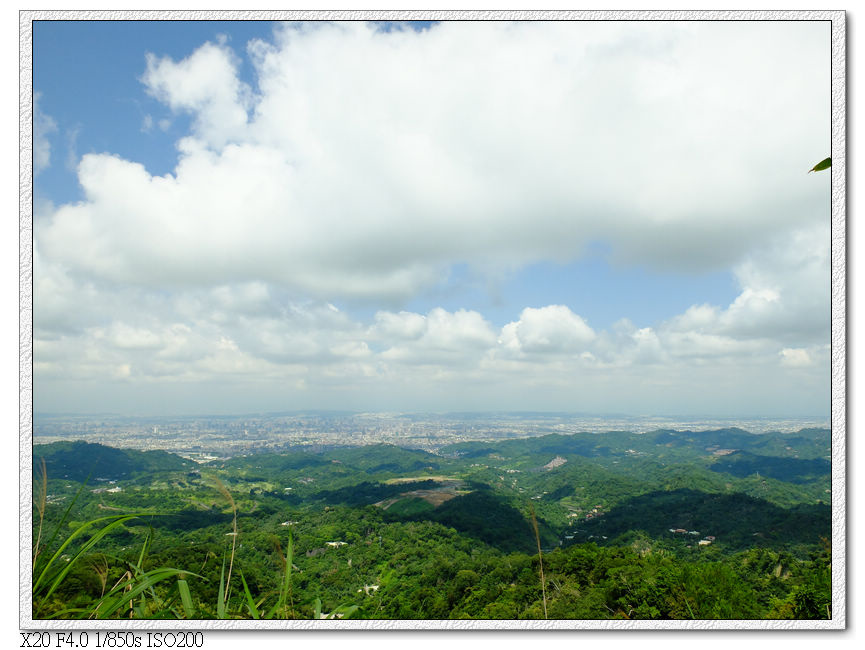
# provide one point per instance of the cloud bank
(361, 164)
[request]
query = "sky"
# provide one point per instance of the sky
(235, 217)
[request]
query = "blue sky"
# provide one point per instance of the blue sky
(94, 91)
(468, 216)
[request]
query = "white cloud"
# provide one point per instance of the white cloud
(206, 85)
(550, 330)
(544, 357)
(463, 328)
(401, 326)
(795, 357)
(786, 288)
(784, 294)
(71, 162)
(440, 337)
(43, 125)
(625, 344)
(125, 336)
(366, 164)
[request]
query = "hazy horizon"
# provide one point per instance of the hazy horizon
(459, 416)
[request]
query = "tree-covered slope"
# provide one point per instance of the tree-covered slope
(402, 533)
(79, 460)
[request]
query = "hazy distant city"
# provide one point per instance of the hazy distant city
(203, 438)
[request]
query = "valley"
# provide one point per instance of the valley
(631, 525)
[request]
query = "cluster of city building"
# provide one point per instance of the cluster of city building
(209, 437)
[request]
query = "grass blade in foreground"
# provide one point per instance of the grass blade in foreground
(130, 589)
(115, 521)
(185, 598)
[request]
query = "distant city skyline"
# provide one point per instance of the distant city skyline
(207, 437)
(600, 217)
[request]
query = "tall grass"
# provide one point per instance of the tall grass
(41, 498)
(135, 583)
(134, 593)
(284, 606)
(51, 570)
(540, 559)
(225, 583)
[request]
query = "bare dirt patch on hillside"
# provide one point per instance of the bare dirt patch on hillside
(449, 489)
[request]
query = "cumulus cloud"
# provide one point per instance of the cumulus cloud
(550, 352)
(624, 344)
(358, 166)
(402, 326)
(550, 330)
(206, 85)
(784, 294)
(439, 337)
(367, 162)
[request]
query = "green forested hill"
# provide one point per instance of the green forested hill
(400, 533)
(662, 443)
(792, 470)
(79, 460)
(735, 521)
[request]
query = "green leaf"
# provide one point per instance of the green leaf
(220, 605)
(250, 603)
(345, 610)
(285, 584)
(119, 596)
(285, 588)
(115, 522)
(143, 552)
(186, 598)
(820, 166)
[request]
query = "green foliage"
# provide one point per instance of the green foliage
(485, 516)
(307, 541)
(49, 574)
(367, 493)
(736, 520)
(55, 574)
(410, 508)
(79, 460)
(820, 166)
(792, 470)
